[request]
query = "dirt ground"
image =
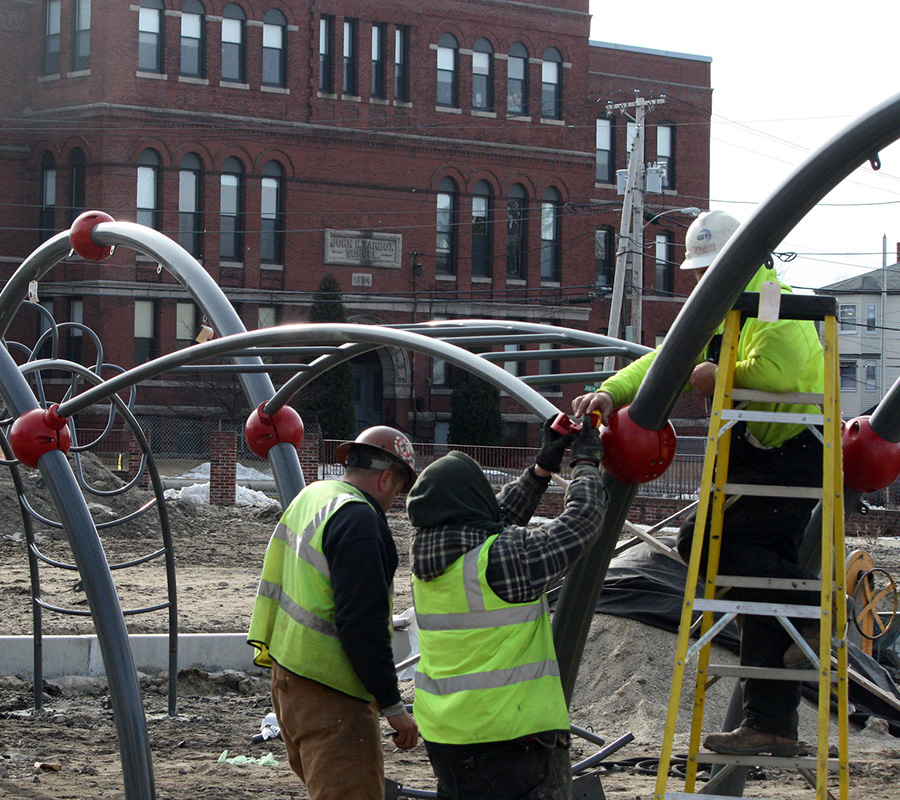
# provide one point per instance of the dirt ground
(69, 751)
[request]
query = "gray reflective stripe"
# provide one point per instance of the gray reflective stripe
(274, 591)
(487, 680)
(300, 543)
(511, 615)
(471, 583)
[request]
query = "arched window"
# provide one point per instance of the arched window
(516, 231)
(148, 189)
(271, 247)
(444, 249)
(81, 36)
(47, 215)
(517, 81)
(481, 230)
(483, 75)
(605, 158)
(551, 84)
(230, 207)
(77, 182)
(51, 36)
(274, 26)
(550, 267)
(665, 265)
(150, 36)
(190, 182)
(193, 38)
(234, 25)
(447, 77)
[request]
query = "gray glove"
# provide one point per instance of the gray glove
(553, 446)
(586, 446)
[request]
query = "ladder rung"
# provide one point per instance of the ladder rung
(758, 609)
(794, 398)
(761, 490)
(788, 584)
(767, 673)
(703, 795)
(786, 417)
(796, 762)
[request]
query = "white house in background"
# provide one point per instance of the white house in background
(868, 327)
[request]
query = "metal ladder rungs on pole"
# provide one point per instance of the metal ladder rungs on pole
(829, 672)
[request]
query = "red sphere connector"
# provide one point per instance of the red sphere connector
(37, 432)
(634, 454)
(81, 235)
(263, 431)
(870, 462)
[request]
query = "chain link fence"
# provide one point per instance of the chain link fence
(181, 446)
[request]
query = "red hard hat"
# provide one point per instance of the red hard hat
(870, 462)
(634, 454)
(388, 442)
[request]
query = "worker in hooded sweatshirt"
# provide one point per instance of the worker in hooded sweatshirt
(489, 701)
(761, 536)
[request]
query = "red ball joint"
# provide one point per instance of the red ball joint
(870, 462)
(263, 431)
(634, 454)
(37, 432)
(81, 235)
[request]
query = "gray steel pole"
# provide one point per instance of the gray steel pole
(100, 591)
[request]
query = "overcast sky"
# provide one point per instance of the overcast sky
(787, 76)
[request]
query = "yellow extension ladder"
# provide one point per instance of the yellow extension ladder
(830, 672)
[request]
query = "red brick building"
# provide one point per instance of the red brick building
(448, 159)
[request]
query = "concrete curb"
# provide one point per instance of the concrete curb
(80, 655)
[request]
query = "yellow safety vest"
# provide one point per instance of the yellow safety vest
(293, 616)
(488, 669)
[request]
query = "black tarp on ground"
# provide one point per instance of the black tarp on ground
(647, 586)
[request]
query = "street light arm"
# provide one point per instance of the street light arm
(690, 211)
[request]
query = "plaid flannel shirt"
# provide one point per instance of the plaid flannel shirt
(524, 562)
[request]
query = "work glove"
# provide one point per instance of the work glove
(586, 446)
(553, 446)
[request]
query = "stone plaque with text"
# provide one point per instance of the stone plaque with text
(363, 249)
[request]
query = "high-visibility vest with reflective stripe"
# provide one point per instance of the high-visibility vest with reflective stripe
(488, 669)
(293, 616)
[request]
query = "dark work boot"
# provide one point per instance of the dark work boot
(745, 741)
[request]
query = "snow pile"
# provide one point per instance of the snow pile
(198, 493)
(242, 473)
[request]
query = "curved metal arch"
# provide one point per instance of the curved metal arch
(199, 285)
(450, 329)
(329, 332)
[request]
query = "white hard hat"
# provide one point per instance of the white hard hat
(706, 237)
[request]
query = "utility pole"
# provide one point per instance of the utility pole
(631, 231)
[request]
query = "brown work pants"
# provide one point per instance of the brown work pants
(333, 740)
